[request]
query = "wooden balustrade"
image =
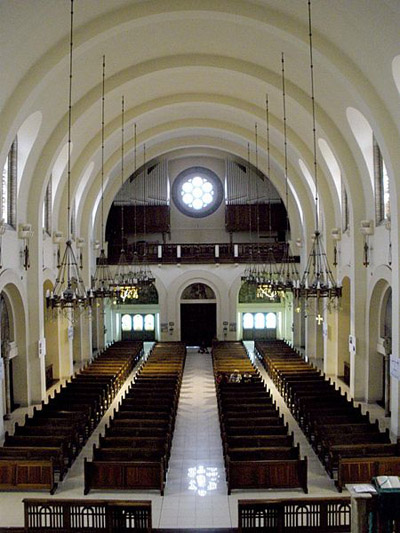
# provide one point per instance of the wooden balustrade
(322, 515)
(200, 253)
(96, 516)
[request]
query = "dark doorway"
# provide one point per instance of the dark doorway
(198, 323)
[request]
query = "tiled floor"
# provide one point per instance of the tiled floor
(195, 494)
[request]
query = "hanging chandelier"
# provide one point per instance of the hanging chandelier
(102, 280)
(253, 270)
(131, 278)
(144, 272)
(268, 281)
(317, 280)
(262, 276)
(125, 283)
(267, 286)
(288, 275)
(69, 292)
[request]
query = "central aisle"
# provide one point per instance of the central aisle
(196, 494)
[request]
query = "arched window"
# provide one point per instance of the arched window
(126, 323)
(9, 186)
(149, 322)
(248, 321)
(259, 321)
(47, 209)
(345, 209)
(138, 323)
(270, 321)
(382, 192)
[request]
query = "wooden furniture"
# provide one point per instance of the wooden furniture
(322, 515)
(351, 447)
(258, 451)
(95, 516)
(134, 452)
(39, 453)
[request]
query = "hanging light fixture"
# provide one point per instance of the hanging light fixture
(69, 292)
(125, 284)
(317, 280)
(144, 273)
(288, 276)
(102, 280)
(253, 270)
(269, 275)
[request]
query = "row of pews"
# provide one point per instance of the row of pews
(258, 451)
(134, 451)
(40, 452)
(350, 446)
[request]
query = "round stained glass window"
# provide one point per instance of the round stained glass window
(197, 192)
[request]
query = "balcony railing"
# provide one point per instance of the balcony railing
(202, 253)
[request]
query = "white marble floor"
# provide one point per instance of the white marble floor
(195, 494)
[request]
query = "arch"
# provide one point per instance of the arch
(396, 71)
(333, 167)
(27, 135)
(198, 291)
(363, 134)
(343, 332)
(376, 354)
(18, 354)
(171, 312)
(198, 315)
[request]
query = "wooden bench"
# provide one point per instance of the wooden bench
(41, 450)
(258, 451)
(363, 469)
(27, 474)
(350, 446)
(288, 474)
(44, 454)
(341, 451)
(135, 450)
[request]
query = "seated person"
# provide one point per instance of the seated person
(247, 378)
(235, 377)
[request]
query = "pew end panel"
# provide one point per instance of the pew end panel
(286, 474)
(124, 475)
(24, 474)
(362, 470)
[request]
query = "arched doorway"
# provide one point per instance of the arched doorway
(6, 362)
(386, 336)
(343, 332)
(13, 349)
(380, 335)
(198, 315)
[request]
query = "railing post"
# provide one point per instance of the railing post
(361, 507)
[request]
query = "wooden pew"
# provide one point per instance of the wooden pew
(41, 450)
(352, 448)
(363, 469)
(27, 474)
(258, 451)
(135, 450)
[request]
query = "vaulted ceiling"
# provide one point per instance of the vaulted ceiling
(195, 75)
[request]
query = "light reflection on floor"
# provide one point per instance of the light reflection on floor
(203, 479)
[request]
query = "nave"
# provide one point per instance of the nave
(195, 494)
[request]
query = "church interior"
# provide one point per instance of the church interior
(199, 189)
